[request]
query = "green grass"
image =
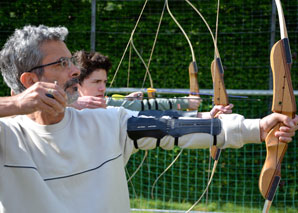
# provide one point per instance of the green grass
(211, 207)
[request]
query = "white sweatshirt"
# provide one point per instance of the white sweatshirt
(77, 165)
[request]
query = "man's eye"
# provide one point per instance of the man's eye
(64, 63)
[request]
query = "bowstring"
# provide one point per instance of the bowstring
(216, 162)
(216, 53)
(193, 59)
(164, 171)
(128, 70)
(130, 44)
(153, 46)
(150, 79)
(182, 30)
(143, 61)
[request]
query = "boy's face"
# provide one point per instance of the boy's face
(94, 84)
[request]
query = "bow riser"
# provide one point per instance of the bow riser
(283, 99)
(220, 94)
(193, 79)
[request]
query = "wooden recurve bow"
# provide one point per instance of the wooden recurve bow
(284, 103)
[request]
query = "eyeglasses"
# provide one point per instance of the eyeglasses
(64, 62)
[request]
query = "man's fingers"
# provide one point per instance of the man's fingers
(286, 120)
(288, 129)
(137, 95)
(220, 109)
(57, 95)
(285, 139)
(52, 95)
(285, 134)
(99, 99)
(91, 102)
(52, 102)
(96, 104)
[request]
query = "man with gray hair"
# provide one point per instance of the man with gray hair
(59, 159)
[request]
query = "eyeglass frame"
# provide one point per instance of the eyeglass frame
(70, 61)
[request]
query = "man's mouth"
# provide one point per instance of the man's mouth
(71, 84)
(71, 89)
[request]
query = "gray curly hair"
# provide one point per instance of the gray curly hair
(21, 52)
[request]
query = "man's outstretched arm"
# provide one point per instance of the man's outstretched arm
(34, 99)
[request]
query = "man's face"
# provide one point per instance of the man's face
(64, 75)
(94, 84)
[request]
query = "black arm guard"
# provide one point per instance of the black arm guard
(158, 127)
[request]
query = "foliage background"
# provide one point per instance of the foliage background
(244, 44)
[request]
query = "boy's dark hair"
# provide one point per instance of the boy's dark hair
(90, 61)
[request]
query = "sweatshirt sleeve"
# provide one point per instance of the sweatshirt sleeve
(238, 131)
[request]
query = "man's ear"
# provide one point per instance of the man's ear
(28, 79)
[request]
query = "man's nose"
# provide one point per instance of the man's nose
(75, 71)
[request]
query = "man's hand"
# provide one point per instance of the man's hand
(35, 99)
(220, 109)
(286, 131)
(90, 102)
(193, 102)
(134, 95)
(216, 111)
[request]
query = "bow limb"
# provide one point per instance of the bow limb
(284, 103)
(193, 69)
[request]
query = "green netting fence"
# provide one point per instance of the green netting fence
(246, 29)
